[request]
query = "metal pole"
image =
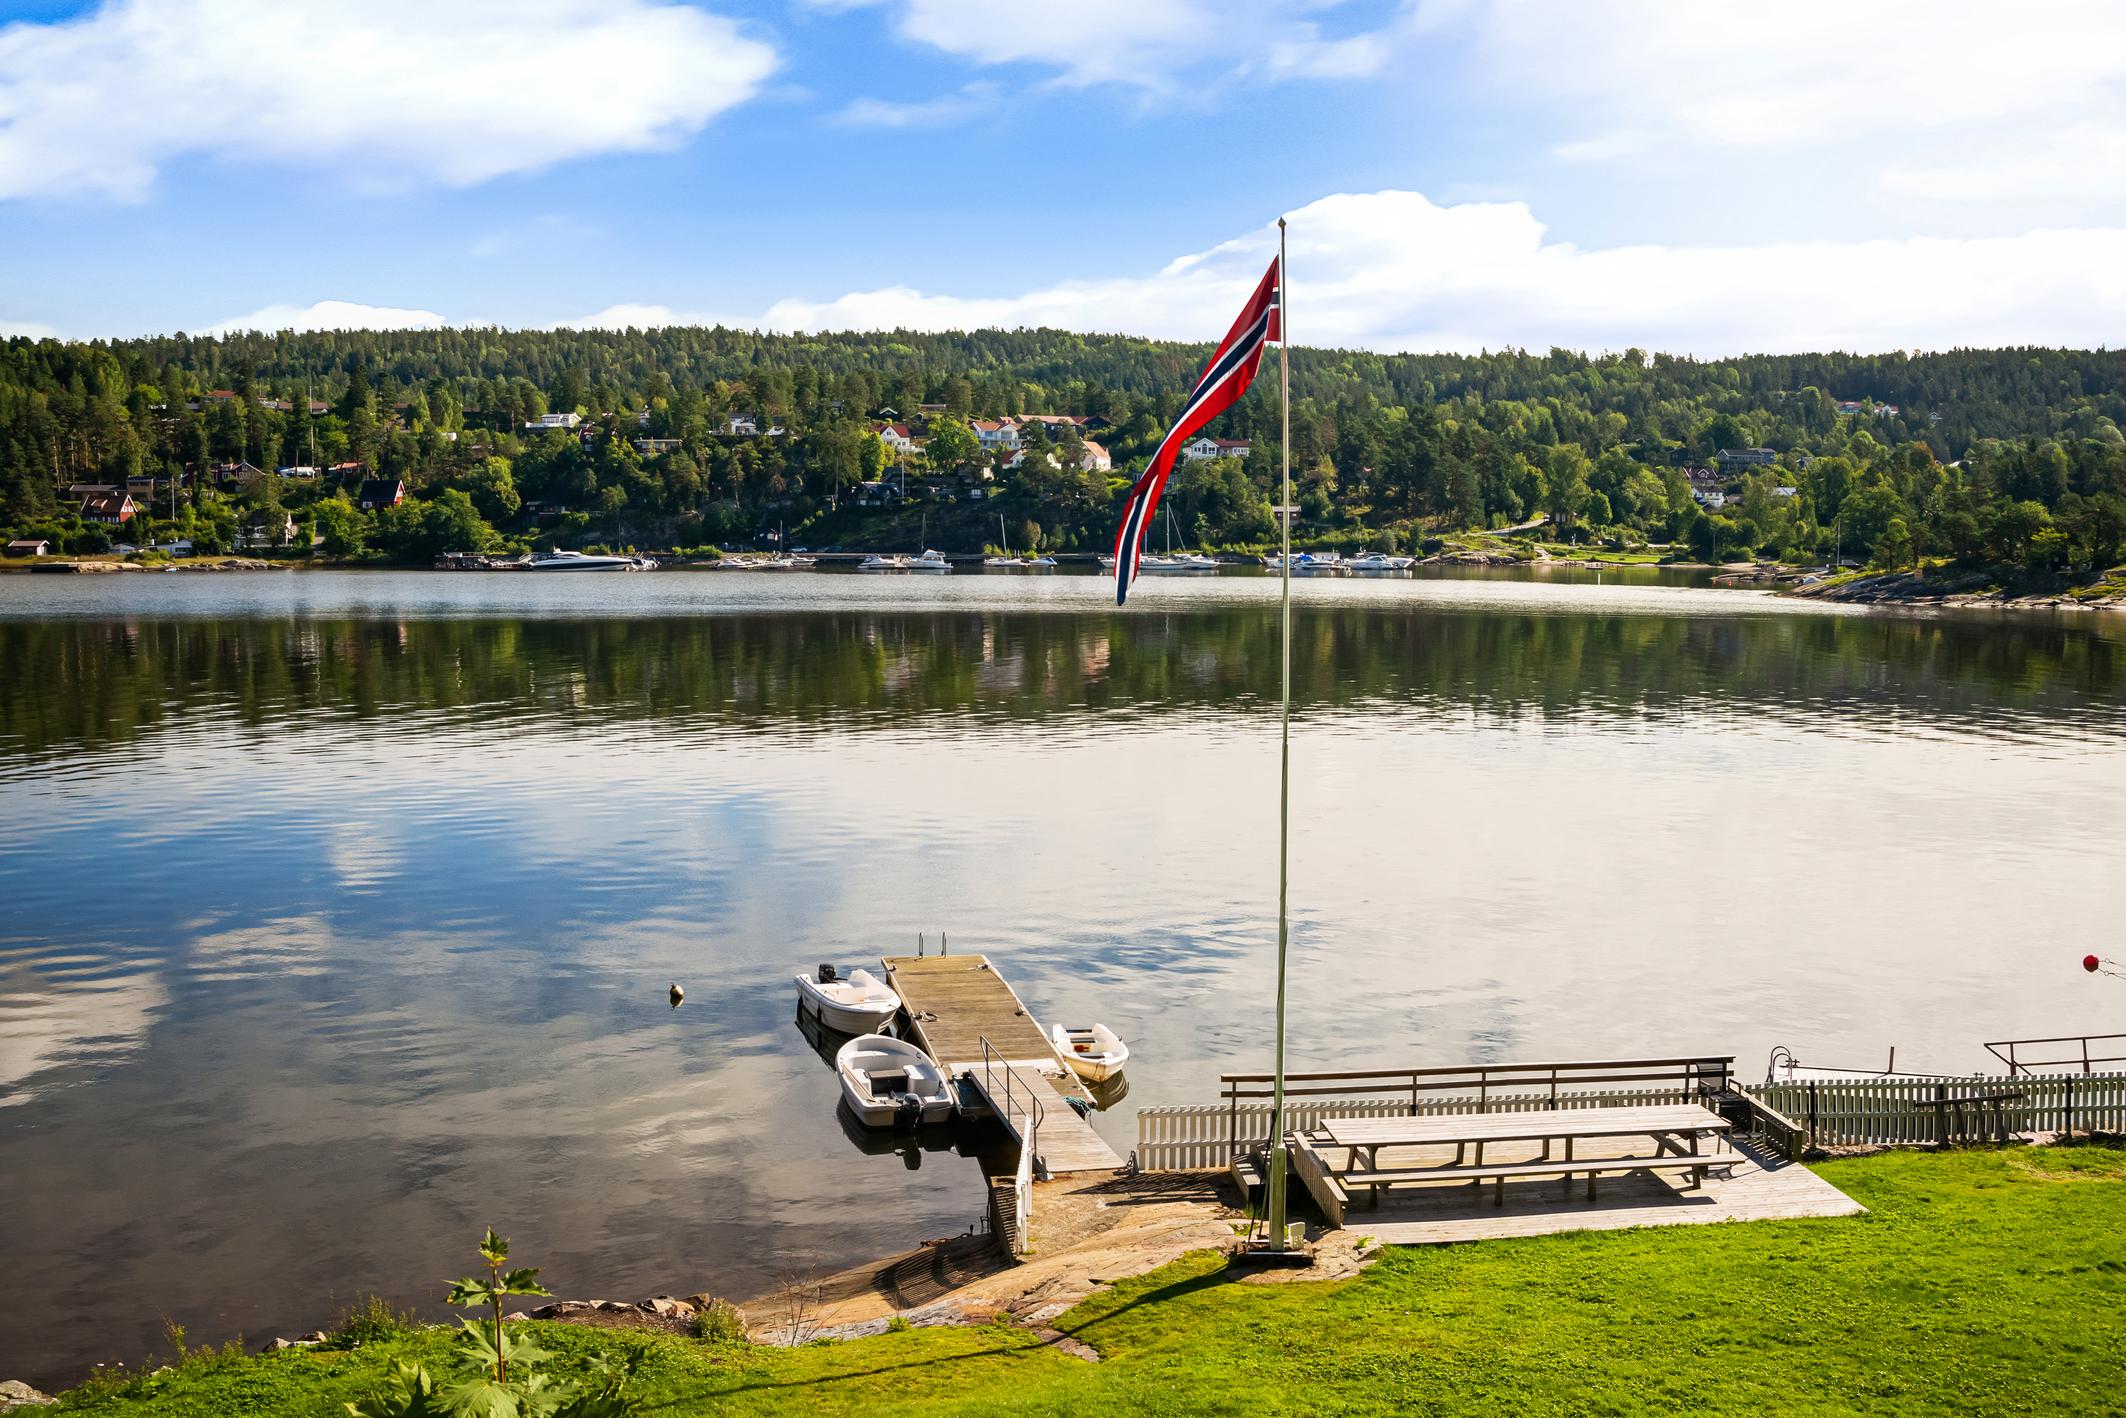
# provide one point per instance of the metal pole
(1274, 1184)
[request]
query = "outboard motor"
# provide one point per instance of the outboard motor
(827, 975)
(907, 1111)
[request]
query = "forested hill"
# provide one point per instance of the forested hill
(686, 436)
(2011, 393)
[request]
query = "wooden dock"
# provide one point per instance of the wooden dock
(954, 1003)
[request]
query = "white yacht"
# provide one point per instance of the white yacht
(880, 561)
(580, 561)
(1380, 561)
(929, 561)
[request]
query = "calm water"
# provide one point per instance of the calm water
(339, 909)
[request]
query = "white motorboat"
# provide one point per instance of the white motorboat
(1173, 563)
(889, 1082)
(1037, 561)
(1380, 561)
(930, 561)
(580, 561)
(861, 1003)
(1321, 563)
(879, 561)
(1095, 1053)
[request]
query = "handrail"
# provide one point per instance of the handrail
(1022, 1178)
(2087, 1060)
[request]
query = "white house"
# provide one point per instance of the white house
(1096, 458)
(553, 421)
(1786, 492)
(995, 433)
(1206, 448)
(897, 437)
(658, 447)
(1709, 496)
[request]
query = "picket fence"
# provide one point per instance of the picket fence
(1846, 1112)
(1190, 1136)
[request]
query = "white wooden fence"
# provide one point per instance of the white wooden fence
(1181, 1138)
(1845, 1112)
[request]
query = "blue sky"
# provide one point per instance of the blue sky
(1710, 177)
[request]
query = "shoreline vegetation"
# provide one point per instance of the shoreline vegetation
(1932, 584)
(2004, 1257)
(399, 446)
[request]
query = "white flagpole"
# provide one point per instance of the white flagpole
(1274, 1184)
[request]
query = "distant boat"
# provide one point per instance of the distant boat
(880, 562)
(1095, 1052)
(859, 1004)
(929, 561)
(1173, 563)
(889, 1082)
(1380, 561)
(1038, 561)
(1008, 562)
(579, 561)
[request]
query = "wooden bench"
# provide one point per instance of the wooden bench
(1698, 1164)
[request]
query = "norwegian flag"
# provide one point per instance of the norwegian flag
(1224, 380)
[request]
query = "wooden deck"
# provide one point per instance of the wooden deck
(1765, 1188)
(954, 1002)
(1064, 1141)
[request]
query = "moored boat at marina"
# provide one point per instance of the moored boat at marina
(1380, 561)
(856, 1004)
(584, 561)
(889, 1082)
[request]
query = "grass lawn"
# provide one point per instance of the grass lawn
(1979, 1282)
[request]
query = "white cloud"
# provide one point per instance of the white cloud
(1881, 83)
(1157, 45)
(383, 91)
(29, 329)
(1394, 271)
(329, 315)
(955, 107)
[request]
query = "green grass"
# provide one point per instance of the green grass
(1979, 1282)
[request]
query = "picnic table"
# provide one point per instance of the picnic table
(1678, 1134)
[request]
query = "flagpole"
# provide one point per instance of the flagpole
(1274, 1184)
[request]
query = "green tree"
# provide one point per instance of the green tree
(952, 444)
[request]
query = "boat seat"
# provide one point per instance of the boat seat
(883, 1084)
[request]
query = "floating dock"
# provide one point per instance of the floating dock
(954, 1004)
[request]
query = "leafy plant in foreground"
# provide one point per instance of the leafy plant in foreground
(495, 1373)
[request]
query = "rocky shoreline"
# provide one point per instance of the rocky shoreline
(1965, 590)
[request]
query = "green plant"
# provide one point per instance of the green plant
(497, 1373)
(719, 1323)
(371, 1320)
(471, 1293)
(898, 1325)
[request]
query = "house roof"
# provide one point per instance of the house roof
(26, 543)
(106, 504)
(381, 490)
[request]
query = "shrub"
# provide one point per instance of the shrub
(719, 1322)
(371, 1320)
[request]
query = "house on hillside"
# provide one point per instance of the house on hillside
(380, 492)
(75, 492)
(29, 546)
(567, 422)
(993, 434)
(897, 437)
(112, 509)
(1733, 458)
(268, 531)
(1203, 449)
(301, 471)
(1096, 458)
(658, 447)
(1708, 497)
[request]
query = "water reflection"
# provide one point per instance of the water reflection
(342, 925)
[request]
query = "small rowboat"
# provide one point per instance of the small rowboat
(889, 1082)
(1095, 1053)
(859, 1004)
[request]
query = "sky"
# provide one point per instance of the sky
(1708, 178)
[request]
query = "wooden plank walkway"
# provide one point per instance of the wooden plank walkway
(1064, 1142)
(1765, 1188)
(954, 1002)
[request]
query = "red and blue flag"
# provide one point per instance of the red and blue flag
(1224, 380)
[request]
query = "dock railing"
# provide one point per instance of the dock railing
(1851, 1112)
(2075, 1051)
(1014, 1103)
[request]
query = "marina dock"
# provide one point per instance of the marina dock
(957, 1003)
